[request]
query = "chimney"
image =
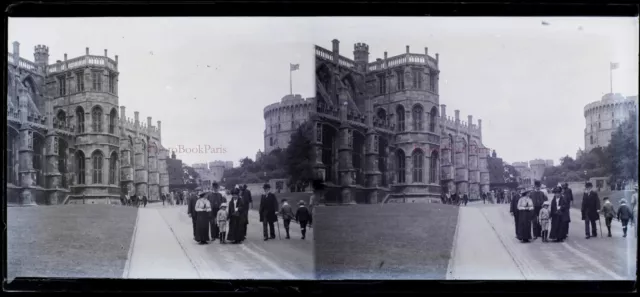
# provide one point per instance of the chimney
(116, 59)
(16, 49)
(122, 113)
(105, 52)
(443, 111)
(470, 121)
(65, 57)
(437, 58)
(480, 125)
(336, 50)
(457, 112)
(426, 52)
(136, 115)
(407, 49)
(87, 51)
(148, 122)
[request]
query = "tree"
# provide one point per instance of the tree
(190, 175)
(510, 174)
(299, 155)
(623, 150)
(245, 162)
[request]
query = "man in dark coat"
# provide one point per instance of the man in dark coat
(514, 213)
(268, 209)
(567, 193)
(590, 210)
(248, 203)
(560, 216)
(234, 232)
(191, 210)
(538, 198)
(484, 198)
(215, 199)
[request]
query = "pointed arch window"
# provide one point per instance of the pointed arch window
(112, 121)
(61, 117)
(400, 118)
(433, 168)
(400, 158)
(97, 161)
(432, 119)
(80, 168)
(96, 118)
(131, 151)
(417, 118)
(418, 166)
(80, 119)
(113, 168)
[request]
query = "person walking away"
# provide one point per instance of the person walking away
(634, 209)
(544, 218)
(560, 216)
(235, 220)
(203, 209)
(215, 199)
(191, 210)
(144, 201)
(538, 198)
(590, 210)
(287, 216)
(484, 198)
(514, 212)
(303, 217)
(465, 198)
(248, 202)
(268, 208)
(624, 215)
(163, 197)
(317, 196)
(221, 221)
(567, 193)
(609, 213)
(525, 215)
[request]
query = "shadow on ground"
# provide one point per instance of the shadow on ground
(384, 241)
(69, 240)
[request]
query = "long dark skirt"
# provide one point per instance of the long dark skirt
(524, 224)
(559, 228)
(202, 227)
(515, 220)
(214, 227)
(235, 229)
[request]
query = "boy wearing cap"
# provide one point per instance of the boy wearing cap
(590, 210)
(544, 218)
(303, 217)
(221, 220)
(287, 215)
(624, 215)
(609, 213)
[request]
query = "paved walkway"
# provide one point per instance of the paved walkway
(486, 248)
(156, 252)
(163, 247)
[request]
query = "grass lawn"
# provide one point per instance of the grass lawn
(69, 240)
(614, 197)
(384, 241)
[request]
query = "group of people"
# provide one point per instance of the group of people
(214, 217)
(537, 217)
(454, 199)
(174, 197)
(134, 200)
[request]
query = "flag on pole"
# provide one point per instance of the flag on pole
(294, 67)
(614, 66)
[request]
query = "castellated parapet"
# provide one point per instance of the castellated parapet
(69, 110)
(604, 116)
(283, 118)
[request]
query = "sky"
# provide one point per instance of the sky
(527, 81)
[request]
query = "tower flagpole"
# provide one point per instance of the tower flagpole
(610, 78)
(290, 81)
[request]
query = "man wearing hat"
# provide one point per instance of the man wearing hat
(215, 199)
(191, 210)
(590, 210)
(245, 194)
(538, 198)
(268, 209)
(567, 193)
(514, 212)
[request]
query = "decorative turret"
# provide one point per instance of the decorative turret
(361, 56)
(41, 55)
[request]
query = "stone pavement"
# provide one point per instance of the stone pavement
(254, 259)
(486, 248)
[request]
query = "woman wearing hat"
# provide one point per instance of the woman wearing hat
(203, 210)
(514, 212)
(560, 216)
(235, 218)
(525, 216)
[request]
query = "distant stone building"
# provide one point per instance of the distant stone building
(228, 164)
(176, 173)
(604, 116)
(531, 171)
(68, 137)
(282, 119)
(382, 134)
(211, 172)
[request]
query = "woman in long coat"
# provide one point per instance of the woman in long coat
(203, 213)
(560, 216)
(525, 215)
(236, 222)
(514, 212)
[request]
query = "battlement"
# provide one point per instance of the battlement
(361, 47)
(41, 49)
(287, 102)
(142, 128)
(609, 101)
(538, 162)
(450, 122)
(520, 164)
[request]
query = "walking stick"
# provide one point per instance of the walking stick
(278, 224)
(600, 222)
